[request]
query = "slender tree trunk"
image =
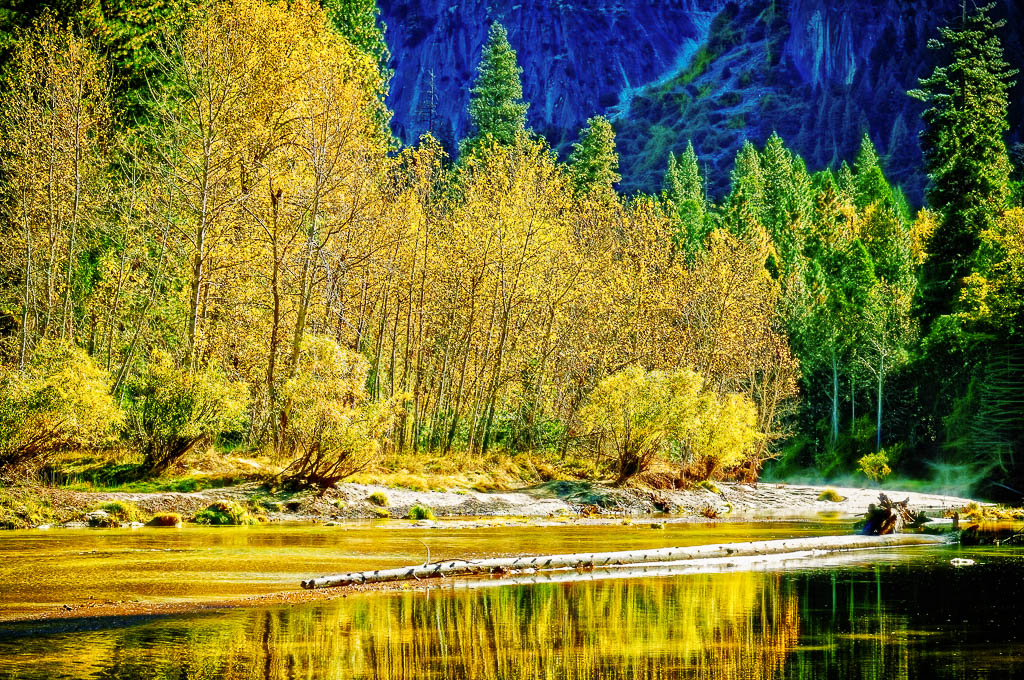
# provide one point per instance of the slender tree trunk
(115, 307)
(275, 292)
(495, 383)
(439, 403)
(462, 370)
(878, 420)
(69, 317)
(853, 405)
(52, 215)
(480, 390)
(379, 348)
(394, 346)
(198, 273)
(28, 284)
(154, 288)
(300, 316)
(835, 400)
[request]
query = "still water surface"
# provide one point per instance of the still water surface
(885, 615)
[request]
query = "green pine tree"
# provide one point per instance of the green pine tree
(594, 162)
(845, 182)
(965, 154)
(869, 183)
(746, 195)
(784, 202)
(496, 105)
(683, 187)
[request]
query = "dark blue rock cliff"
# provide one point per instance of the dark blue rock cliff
(818, 71)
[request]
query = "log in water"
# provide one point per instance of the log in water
(622, 558)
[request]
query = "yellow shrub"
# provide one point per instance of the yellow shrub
(61, 401)
(637, 415)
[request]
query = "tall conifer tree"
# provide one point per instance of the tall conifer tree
(964, 150)
(684, 187)
(594, 162)
(496, 105)
(869, 181)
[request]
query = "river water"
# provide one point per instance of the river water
(888, 615)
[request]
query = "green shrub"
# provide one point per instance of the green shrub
(122, 511)
(875, 466)
(165, 519)
(60, 401)
(831, 495)
(378, 498)
(224, 513)
(175, 410)
(382, 513)
(421, 512)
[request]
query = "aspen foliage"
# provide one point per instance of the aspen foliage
(262, 262)
(637, 415)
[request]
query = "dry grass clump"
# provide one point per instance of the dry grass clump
(165, 519)
(992, 513)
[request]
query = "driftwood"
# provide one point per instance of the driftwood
(888, 517)
(662, 556)
(712, 565)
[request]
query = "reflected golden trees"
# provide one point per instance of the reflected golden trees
(805, 625)
(713, 626)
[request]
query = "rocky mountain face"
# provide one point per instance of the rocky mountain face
(820, 72)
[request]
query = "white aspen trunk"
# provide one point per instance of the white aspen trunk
(878, 421)
(835, 400)
(28, 285)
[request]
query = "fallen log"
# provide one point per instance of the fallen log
(498, 565)
(712, 565)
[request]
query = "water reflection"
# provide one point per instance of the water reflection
(894, 621)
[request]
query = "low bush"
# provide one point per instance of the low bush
(382, 513)
(61, 401)
(636, 416)
(875, 466)
(165, 519)
(174, 410)
(122, 511)
(21, 508)
(709, 511)
(831, 496)
(224, 513)
(331, 427)
(421, 512)
(378, 498)
(710, 486)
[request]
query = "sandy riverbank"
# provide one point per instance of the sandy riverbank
(551, 500)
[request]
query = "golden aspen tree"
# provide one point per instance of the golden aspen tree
(56, 123)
